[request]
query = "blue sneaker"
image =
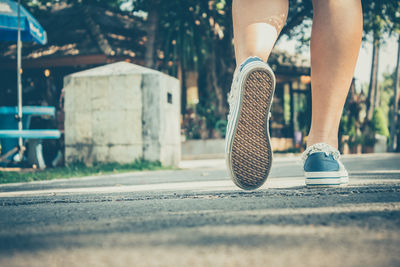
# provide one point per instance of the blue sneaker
(322, 166)
(248, 149)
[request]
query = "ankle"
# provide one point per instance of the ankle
(312, 140)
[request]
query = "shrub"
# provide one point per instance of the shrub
(220, 127)
(380, 122)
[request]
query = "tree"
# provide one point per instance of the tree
(151, 31)
(190, 35)
(394, 121)
(197, 36)
(373, 94)
(379, 17)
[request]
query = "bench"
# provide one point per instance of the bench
(31, 134)
(9, 134)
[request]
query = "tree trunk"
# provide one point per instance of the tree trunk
(394, 121)
(182, 72)
(292, 114)
(226, 59)
(377, 95)
(182, 79)
(214, 82)
(373, 83)
(151, 32)
(184, 91)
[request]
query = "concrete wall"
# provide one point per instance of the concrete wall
(119, 112)
(161, 124)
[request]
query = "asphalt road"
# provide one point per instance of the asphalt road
(197, 217)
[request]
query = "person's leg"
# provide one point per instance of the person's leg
(248, 151)
(335, 43)
(257, 24)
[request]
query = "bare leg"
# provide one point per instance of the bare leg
(335, 43)
(257, 24)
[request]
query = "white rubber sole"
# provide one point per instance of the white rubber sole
(335, 178)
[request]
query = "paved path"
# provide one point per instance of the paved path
(196, 217)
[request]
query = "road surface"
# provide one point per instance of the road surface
(197, 217)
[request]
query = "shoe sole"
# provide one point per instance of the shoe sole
(322, 179)
(249, 153)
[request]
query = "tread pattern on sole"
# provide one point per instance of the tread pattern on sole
(251, 151)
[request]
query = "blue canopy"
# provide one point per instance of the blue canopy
(30, 27)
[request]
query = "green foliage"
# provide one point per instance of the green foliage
(351, 121)
(37, 7)
(300, 11)
(78, 170)
(368, 138)
(197, 35)
(193, 125)
(207, 112)
(387, 94)
(303, 107)
(385, 112)
(220, 127)
(381, 16)
(185, 29)
(380, 124)
(348, 127)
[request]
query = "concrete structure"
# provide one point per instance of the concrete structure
(214, 148)
(121, 112)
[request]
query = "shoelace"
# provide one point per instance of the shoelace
(321, 147)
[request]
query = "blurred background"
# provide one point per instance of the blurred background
(193, 41)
